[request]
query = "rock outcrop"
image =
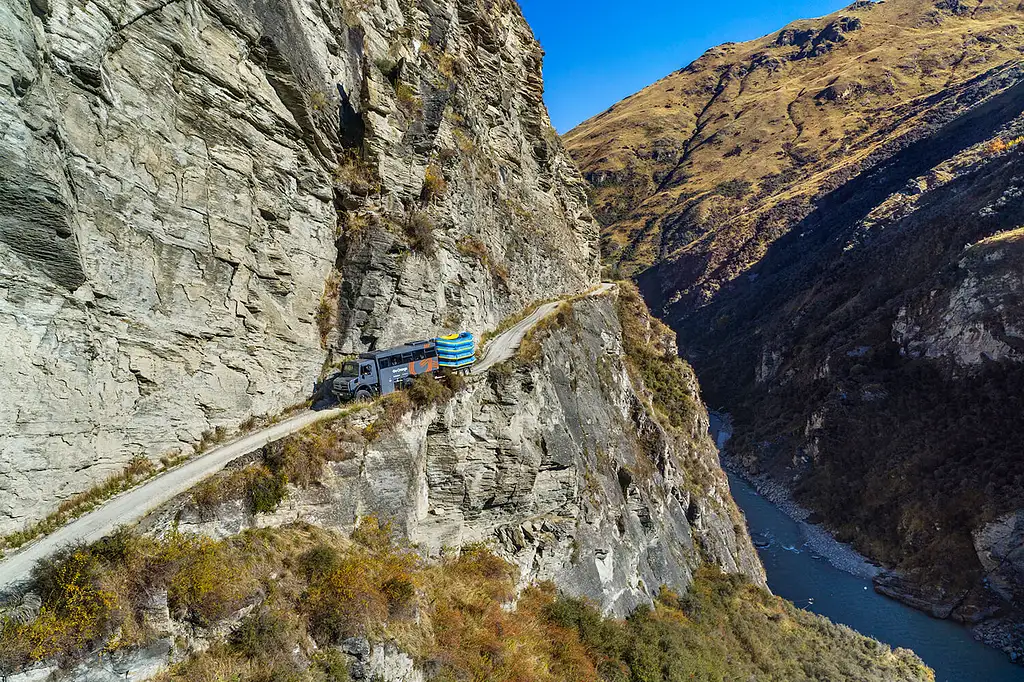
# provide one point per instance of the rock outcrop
(561, 464)
(979, 316)
(1000, 546)
(198, 198)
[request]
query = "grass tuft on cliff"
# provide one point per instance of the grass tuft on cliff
(652, 358)
(302, 591)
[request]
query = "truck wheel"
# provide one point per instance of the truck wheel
(364, 394)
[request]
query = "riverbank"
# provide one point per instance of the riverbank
(818, 540)
(810, 541)
(808, 579)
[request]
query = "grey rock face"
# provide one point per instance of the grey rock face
(172, 182)
(1000, 547)
(978, 319)
(462, 101)
(380, 661)
(559, 466)
(136, 665)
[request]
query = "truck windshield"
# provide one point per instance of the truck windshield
(350, 369)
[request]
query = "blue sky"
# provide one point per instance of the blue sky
(600, 51)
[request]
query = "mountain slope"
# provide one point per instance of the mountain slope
(707, 166)
(827, 218)
(498, 530)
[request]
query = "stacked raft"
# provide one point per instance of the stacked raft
(456, 352)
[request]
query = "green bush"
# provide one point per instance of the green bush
(264, 632)
(434, 184)
(426, 390)
(319, 560)
(329, 665)
(724, 628)
(408, 101)
(451, 615)
(262, 489)
(266, 491)
(733, 189)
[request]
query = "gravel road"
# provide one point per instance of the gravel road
(129, 507)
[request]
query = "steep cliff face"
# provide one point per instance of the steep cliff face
(200, 198)
(833, 230)
(562, 463)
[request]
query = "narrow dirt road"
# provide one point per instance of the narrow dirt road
(504, 346)
(129, 507)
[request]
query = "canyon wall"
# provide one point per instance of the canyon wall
(205, 200)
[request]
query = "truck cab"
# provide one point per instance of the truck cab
(358, 379)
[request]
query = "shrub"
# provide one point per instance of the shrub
(456, 382)
(345, 602)
(452, 617)
(466, 144)
(76, 610)
(318, 100)
(419, 228)
(532, 344)
(96, 595)
(447, 65)
(408, 101)
(301, 458)
(393, 408)
(357, 174)
(477, 563)
(434, 184)
(262, 489)
(388, 67)
(426, 391)
(327, 310)
(264, 632)
(999, 145)
(474, 248)
(354, 225)
(330, 666)
(733, 189)
(653, 361)
(319, 560)
(373, 533)
(726, 628)
(266, 491)
(208, 580)
(399, 591)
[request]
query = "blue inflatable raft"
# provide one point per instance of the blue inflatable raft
(457, 351)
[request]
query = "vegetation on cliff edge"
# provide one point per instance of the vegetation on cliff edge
(301, 591)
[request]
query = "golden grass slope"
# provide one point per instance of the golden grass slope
(696, 161)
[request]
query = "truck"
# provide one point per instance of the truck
(386, 371)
